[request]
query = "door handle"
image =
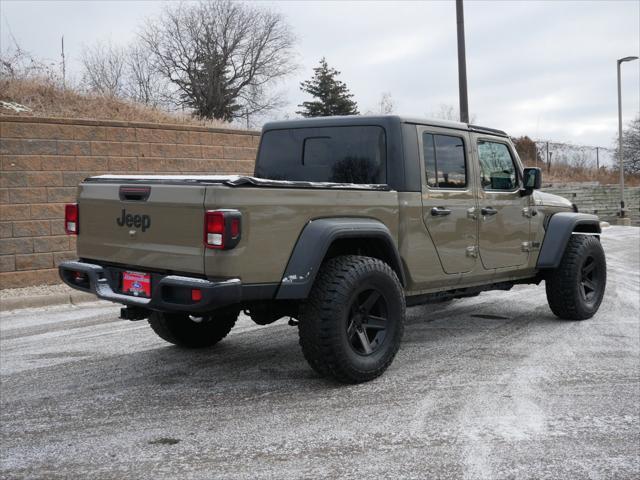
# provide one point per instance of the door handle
(440, 211)
(488, 211)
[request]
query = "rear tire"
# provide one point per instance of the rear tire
(575, 289)
(181, 329)
(352, 323)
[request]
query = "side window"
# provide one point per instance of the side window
(497, 169)
(429, 159)
(444, 161)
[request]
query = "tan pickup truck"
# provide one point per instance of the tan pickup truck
(346, 221)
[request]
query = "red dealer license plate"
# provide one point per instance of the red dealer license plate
(137, 284)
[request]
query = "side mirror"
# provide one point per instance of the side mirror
(531, 179)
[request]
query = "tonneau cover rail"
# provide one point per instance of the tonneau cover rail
(231, 181)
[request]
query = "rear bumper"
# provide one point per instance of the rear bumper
(169, 293)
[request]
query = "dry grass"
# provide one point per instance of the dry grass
(568, 174)
(45, 99)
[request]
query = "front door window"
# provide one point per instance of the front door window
(497, 169)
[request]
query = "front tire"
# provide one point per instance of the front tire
(575, 289)
(352, 323)
(193, 332)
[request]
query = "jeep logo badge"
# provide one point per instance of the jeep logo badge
(138, 221)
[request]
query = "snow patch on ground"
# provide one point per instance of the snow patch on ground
(14, 107)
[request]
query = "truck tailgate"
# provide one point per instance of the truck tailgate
(157, 226)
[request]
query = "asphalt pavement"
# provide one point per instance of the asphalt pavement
(488, 387)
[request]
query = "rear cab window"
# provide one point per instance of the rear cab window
(350, 154)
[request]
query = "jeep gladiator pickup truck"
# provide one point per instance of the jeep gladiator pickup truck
(346, 221)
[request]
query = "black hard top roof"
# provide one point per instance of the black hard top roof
(377, 120)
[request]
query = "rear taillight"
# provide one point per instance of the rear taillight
(222, 229)
(71, 218)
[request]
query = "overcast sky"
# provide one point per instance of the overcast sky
(545, 69)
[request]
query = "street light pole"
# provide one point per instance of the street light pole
(462, 64)
(620, 155)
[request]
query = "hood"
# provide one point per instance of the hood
(550, 200)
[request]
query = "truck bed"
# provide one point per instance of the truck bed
(273, 215)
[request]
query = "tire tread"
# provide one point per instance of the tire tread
(560, 285)
(178, 329)
(318, 336)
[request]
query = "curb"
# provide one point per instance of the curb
(47, 300)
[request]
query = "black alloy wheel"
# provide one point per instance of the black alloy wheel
(367, 322)
(575, 288)
(351, 324)
(590, 280)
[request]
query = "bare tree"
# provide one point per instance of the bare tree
(449, 112)
(12, 60)
(222, 56)
(258, 103)
(446, 112)
(16, 62)
(386, 104)
(143, 82)
(631, 147)
(527, 150)
(103, 68)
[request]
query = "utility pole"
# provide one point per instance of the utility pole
(64, 67)
(550, 153)
(620, 156)
(548, 161)
(462, 64)
(597, 158)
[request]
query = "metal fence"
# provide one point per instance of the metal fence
(579, 156)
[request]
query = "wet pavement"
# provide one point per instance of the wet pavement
(488, 387)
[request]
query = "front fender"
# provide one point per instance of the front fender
(313, 244)
(560, 228)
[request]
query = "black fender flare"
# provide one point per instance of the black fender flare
(559, 229)
(314, 242)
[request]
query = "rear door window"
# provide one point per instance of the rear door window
(355, 154)
(444, 161)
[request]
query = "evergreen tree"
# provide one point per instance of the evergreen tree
(332, 95)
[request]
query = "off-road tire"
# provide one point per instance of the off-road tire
(327, 313)
(181, 330)
(565, 284)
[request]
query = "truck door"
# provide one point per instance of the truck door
(448, 197)
(504, 214)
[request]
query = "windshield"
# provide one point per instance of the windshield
(324, 154)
